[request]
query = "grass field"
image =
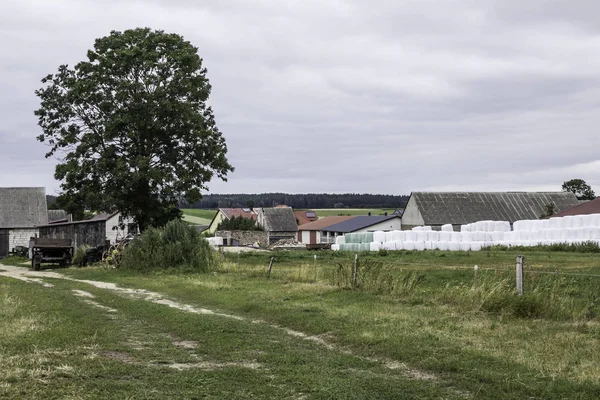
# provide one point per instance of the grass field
(438, 334)
(198, 216)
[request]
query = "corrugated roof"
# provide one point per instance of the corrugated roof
(358, 222)
(23, 207)
(589, 207)
(102, 217)
(466, 207)
(324, 222)
(280, 220)
(238, 212)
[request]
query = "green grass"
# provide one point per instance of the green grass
(474, 337)
(198, 216)
(54, 345)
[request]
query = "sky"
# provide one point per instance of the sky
(344, 96)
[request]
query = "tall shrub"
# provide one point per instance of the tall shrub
(177, 246)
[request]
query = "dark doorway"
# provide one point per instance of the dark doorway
(4, 243)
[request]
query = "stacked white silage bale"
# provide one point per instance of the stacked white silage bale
(360, 241)
(478, 235)
(569, 229)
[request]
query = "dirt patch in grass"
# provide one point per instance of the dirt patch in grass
(211, 366)
(118, 356)
(186, 344)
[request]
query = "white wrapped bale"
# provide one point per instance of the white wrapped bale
(501, 226)
(465, 246)
(465, 228)
(375, 246)
(398, 236)
(497, 236)
(594, 233)
(335, 247)
(568, 221)
(476, 246)
(447, 228)
(340, 240)
(433, 236)
(466, 236)
(478, 236)
(445, 236)
(456, 237)
(454, 246)
(444, 246)
(399, 244)
(417, 229)
(389, 246)
(379, 236)
(578, 221)
(408, 245)
(389, 236)
(411, 236)
(588, 220)
(427, 228)
(429, 245)
(420, 246)
(421, 236)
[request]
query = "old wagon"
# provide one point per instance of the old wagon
(51, 250)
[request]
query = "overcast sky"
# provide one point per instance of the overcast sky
(375, 96)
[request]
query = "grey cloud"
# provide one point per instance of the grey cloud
(361, 96)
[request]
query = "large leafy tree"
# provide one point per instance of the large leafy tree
(582, 190)
(132, 127)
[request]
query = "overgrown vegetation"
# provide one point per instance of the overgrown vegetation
(176, 246)
(238, 224)
(15, 261)
(79, 256)
(581, 247)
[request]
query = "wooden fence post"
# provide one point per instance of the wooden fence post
(355, 272)
(270, 267)
(315, 268)
(520, 260)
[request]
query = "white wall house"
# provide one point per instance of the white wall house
(117, 227)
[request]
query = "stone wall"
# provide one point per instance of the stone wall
(244, 238)
(275, 236)
(91, 233)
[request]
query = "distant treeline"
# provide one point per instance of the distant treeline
(310, 200)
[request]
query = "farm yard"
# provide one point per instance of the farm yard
(416, 325)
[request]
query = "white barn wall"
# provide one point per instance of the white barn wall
(390, 225)
(21, 236)
(412, 216)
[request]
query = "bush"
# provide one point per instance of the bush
(176, 246)
(79, 256)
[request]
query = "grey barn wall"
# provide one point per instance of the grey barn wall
(91, 233)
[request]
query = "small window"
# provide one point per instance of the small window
(310, 214)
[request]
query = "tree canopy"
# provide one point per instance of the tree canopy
(133, 127)
(582, 190)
